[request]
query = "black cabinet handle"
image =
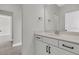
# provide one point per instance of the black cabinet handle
(46, 48)
(38, 37)
(49, 50)
(67, 46)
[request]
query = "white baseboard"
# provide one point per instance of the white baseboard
(17, 44)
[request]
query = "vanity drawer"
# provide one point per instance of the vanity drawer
(50, 41)
(69, 46)
(47, 40)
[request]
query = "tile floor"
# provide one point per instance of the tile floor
(11, 51)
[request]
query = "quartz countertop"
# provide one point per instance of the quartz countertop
(66, 37)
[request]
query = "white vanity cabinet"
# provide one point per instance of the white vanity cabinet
(48, 46)
(41, 48)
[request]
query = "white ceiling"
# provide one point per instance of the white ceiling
(60, 5)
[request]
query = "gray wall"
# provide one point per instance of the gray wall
(64, 9)
(17, 20)
(31, 24)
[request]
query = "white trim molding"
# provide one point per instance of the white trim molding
(17, 44)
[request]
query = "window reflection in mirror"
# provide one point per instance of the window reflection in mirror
(63, 17)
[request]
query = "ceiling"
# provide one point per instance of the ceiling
(60, 5)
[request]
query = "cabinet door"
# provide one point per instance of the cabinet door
(58, 51)
(41, 48)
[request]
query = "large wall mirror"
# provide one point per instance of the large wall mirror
(51, 17)
(62, 17)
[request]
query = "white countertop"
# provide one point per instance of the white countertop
(66, 37)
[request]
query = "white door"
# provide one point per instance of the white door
(58, 51)
(41, 48)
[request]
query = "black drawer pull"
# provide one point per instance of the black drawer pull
(49, 50)
(38, 37)
(46, 48)
(67, 46)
